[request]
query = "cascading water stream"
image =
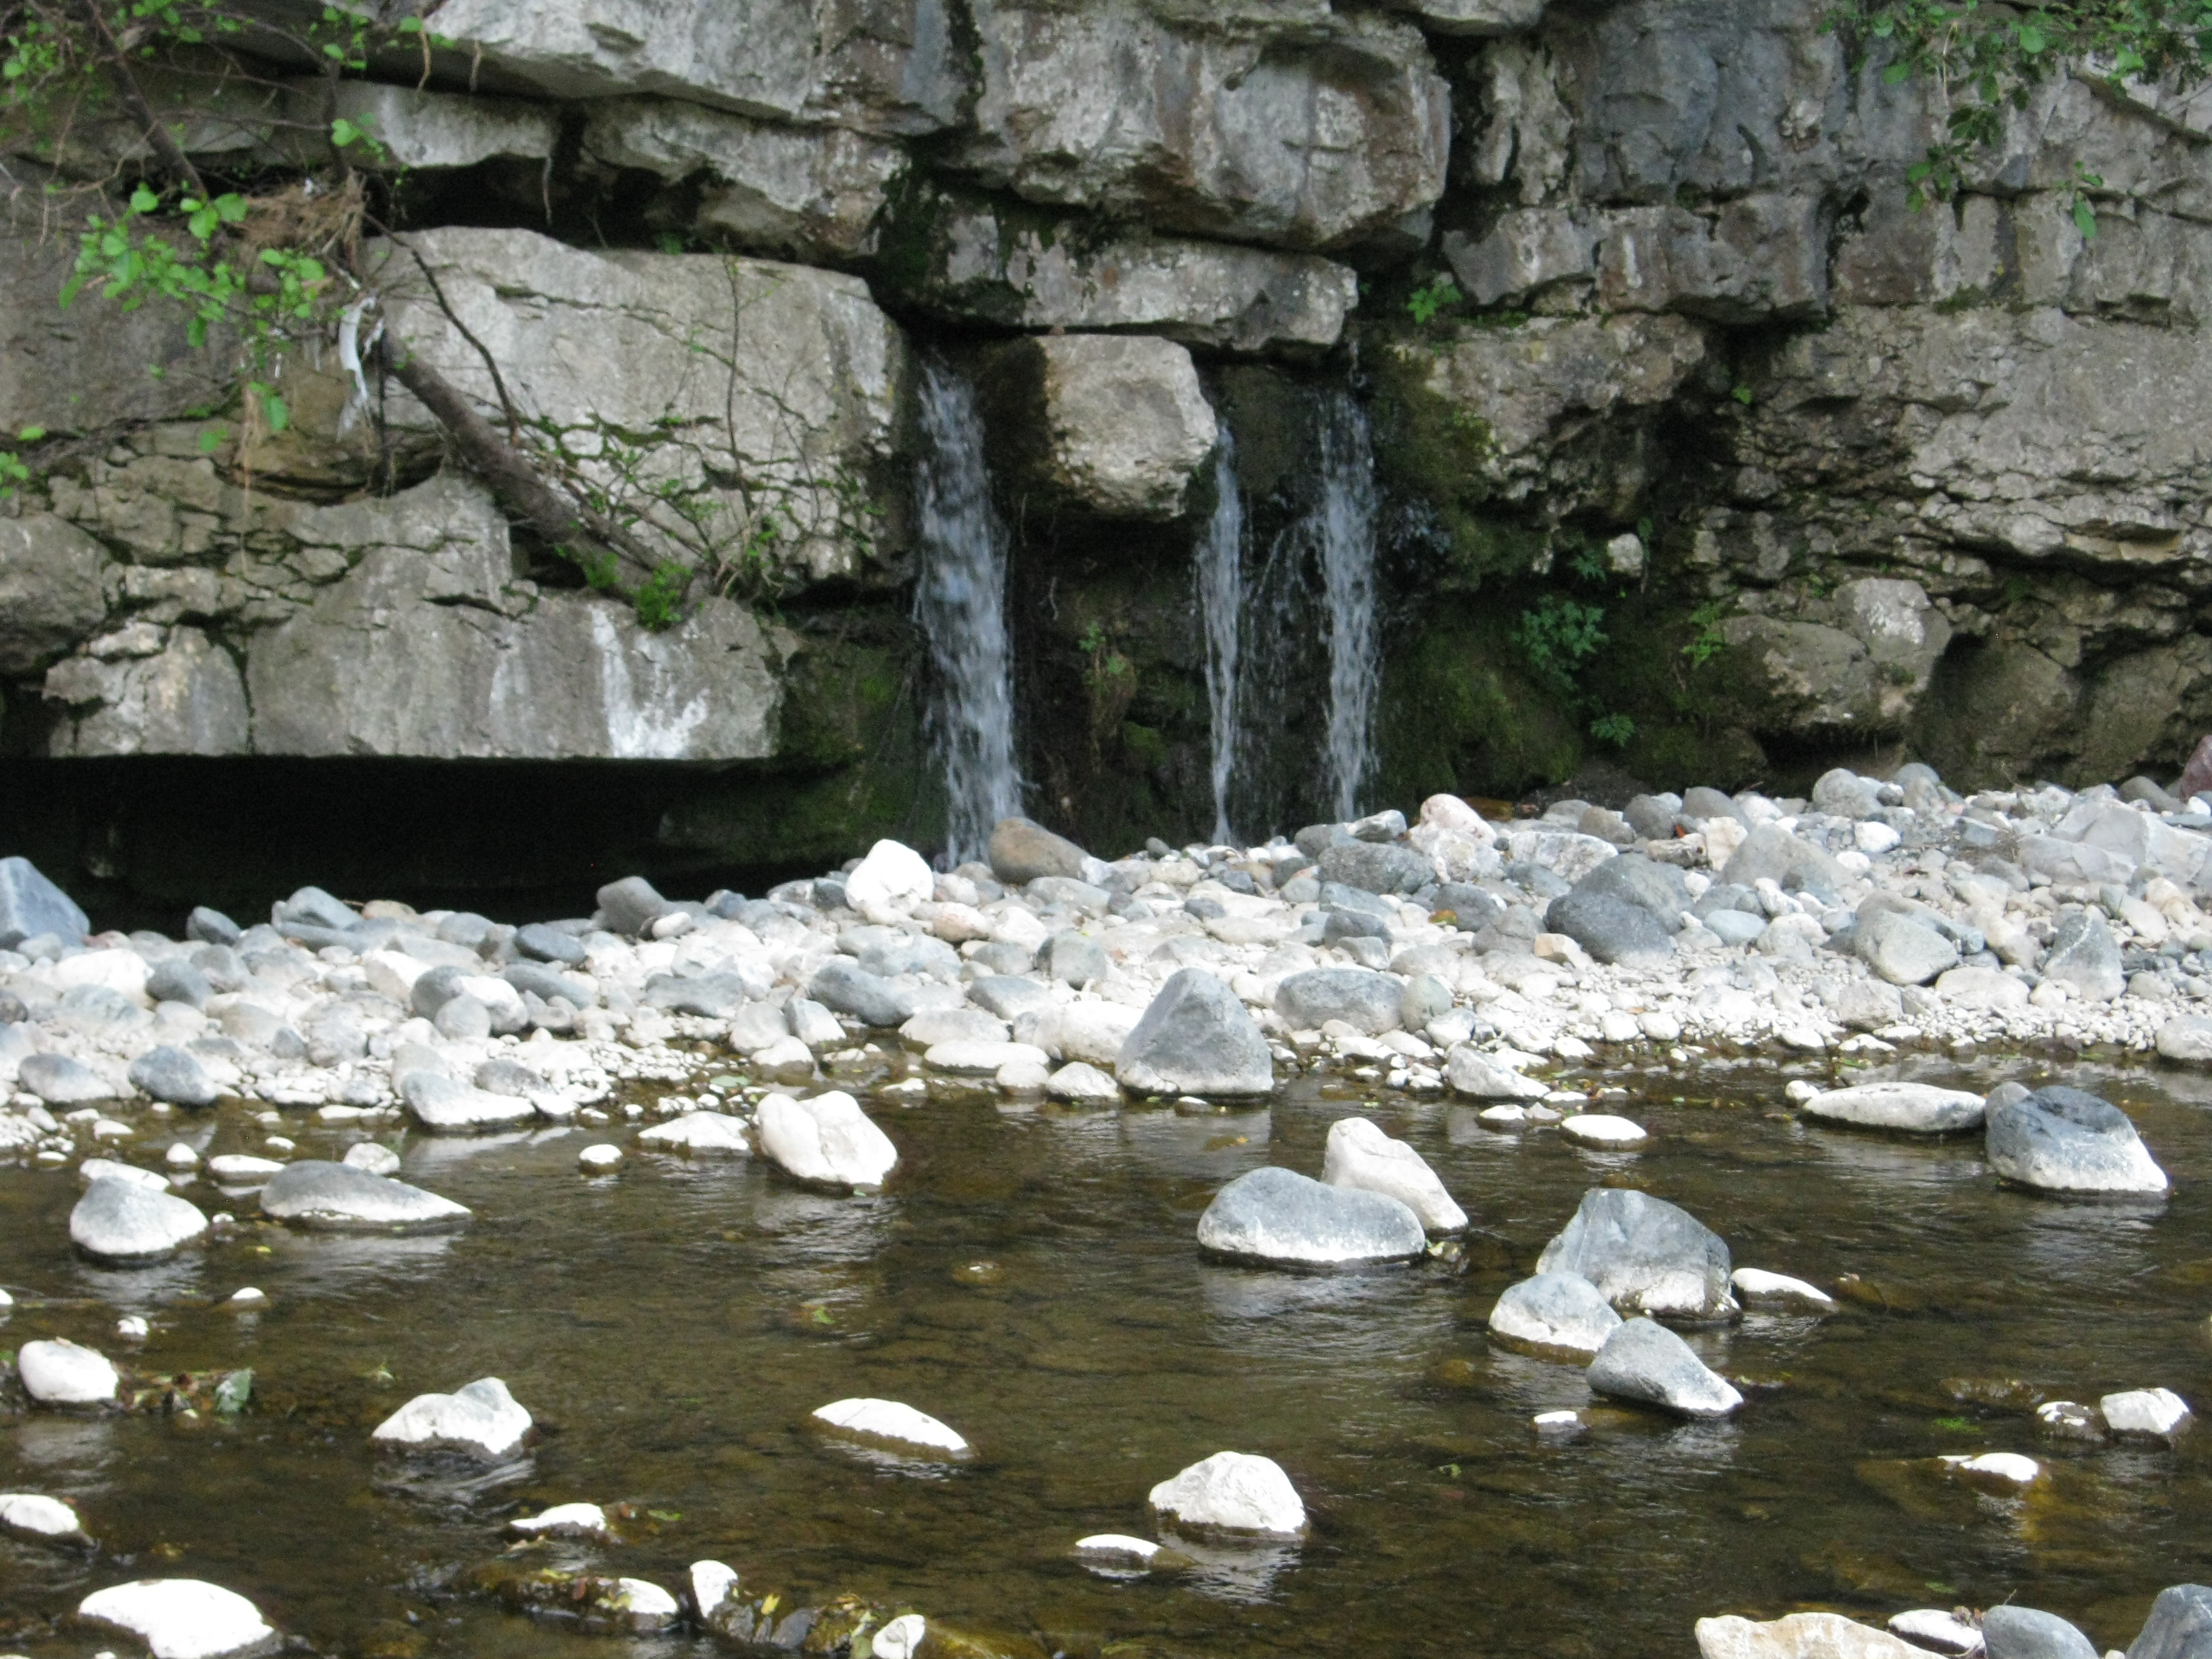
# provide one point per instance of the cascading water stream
(1220, 571)
(1345, 523)
(960, 605)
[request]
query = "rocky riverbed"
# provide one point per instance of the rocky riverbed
(889, 1242)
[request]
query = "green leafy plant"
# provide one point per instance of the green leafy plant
(13, 472)
(1707, 642)
(1988, 58)
(1433, 296)
(1618, 730)
(1558, 635)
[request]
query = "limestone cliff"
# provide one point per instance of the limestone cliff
(1838, 476)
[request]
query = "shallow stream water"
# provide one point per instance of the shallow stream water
(1030, 1277)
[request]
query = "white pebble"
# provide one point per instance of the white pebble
(2000, 1466)
(131, 1325)
(598, 1158)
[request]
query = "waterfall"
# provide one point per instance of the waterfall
(960, 605)
(1219, 572)
(1345, 515)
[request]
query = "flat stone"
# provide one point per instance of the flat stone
(1644, 1361)
(2006, 1468)
(1373, 867)
(1276, 1215)
(1361, 998)
(445, 1105)
(31, 1514)
(2062, 1140)
(337, 1197)
(242, 1169)
(1116, 1546)
(180, 1618)
(1554, 1312)
(2154, 1413)
(1800, 1635)
(1644, 1254)
(970, 1058)
(1471, 1072)
(1233, 1491)
(60, 1081)
(58, 1372)
(1986, 990)
(935, 1025)
(600, 1159)
(1080, 1085)
(1936, 1630)
(1360, 1155)
(1901, 950)
(847, 988)
(825, 1141)
(122, 1221)
(1603, 1129)
(107, 1168)
(1908, 1107)
(1756, 1288)
(1021, 851)
(562, 1520)
(2085, 956)
(1196, 1038)
(707, 1134)
(888, 1421)
(2186, 1038)
(481, 1419)
(1612, 930)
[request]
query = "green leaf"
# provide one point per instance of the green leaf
(2033, 40)
(273, 406)
(2085, 219)
(144, 200)
(344, 132)
(410, 26)
(665, 1515)
(233, 1392)
(211, 440)
(31, 434)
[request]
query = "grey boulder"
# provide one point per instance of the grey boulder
(1358, 996)
(1280, 1216)
(1196, 1038)
(1612, 930)
(2179, 1626)
(1377, 868)
(1644, 1254)
(1901, 950)
(631, 905)
(2085, 956)
(546, 944)
(1645, 883)
(2011, 1632)
(1553, 1313)
(169, 1073)
(340, 1197)
(2062, 1140)
(1771, 852)
(1021, 851)
(1644, 1362)
(211, 927)
(120, 1220)
(60, 1081)
(1074, 958)
(845, 987)
(31, 905)
(445, 1105)
(177, 980)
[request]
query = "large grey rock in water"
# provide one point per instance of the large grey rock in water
(1377, 868)
(1360, 1155)
(2012, 1633)
(1644, 1254)
(2179, 1626)
(31, 905)
(1358, 996)
(118, 1220)
(1912, 1108)
(1021, 851)
(1196, 1038)
(445, 1105)
(171, 1074)
(2062, 1140)
(846, 988)
(483, 1419)
(1279, 1215)
(1611, 929)
(1644, 1361)
(340, 1197)
(1559, 1312)
(2085, 956)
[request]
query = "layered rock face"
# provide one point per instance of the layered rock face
(1922, 479)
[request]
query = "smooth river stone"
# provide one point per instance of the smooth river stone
(1234, 1491)
(337, 1197)
(890, 1421)
(180, 1618)
(1909, 1108)
(120, 1220)
(1278, 1215)
(59, 1372)
(482, 1419)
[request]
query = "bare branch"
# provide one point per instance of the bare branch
(172, 159)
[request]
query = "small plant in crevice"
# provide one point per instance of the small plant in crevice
(1558, 635)
(1109, 677)
(1706, 640)
(1618, 730)
(1432, 297)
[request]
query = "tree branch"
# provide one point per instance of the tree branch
(174, 161)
